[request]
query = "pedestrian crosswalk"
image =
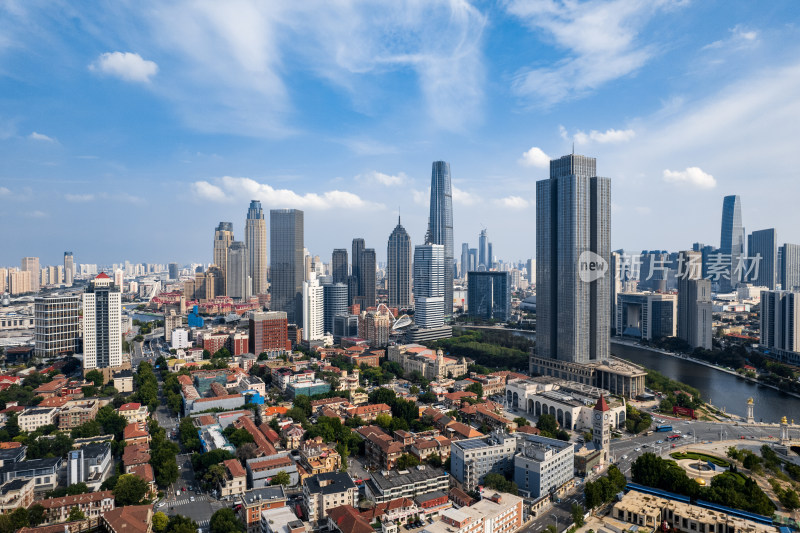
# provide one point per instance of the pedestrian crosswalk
(202, 523)
(186, 500)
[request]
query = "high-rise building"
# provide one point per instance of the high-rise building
(473, 260)
(69, 269)
(19, 282)
(790, 267)
(269, 333)
(398, 267)
(173, 271)
(646, 315)
(355, 286)
(764, 244)
(780, 325)
(31, 264)
(572, 258)
(367, 282)
(237, 279)
(530, 266)
(489, 295)
(335, 303)
(313, 309)
(440, 225)
(483, 251)
(287, 266)
(731, 239)
(489, 256)
(56, 325)
(464, 260)
(102, 335)
(339, 265)
(429, 285)
(694, 302)
(255, 238)
(223, 237)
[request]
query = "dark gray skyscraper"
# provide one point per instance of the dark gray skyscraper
(255, 239)
(763, 243)
(464, 260)
(398, 267)
(731, 238)
(694, 302)
(483, 251)
(440, 225)
(790, 267)
(489, 256)
(339, 265)
(237, 278)
(355, 271)
(334, 297)
(366, 278)
(572, 249)
(489, 295)
(287, 267)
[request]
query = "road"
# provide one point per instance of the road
(559, 514)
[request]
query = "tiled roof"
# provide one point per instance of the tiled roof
(234, 467)
(69, 501)
(129, 519)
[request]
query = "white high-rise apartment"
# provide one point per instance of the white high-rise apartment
(102, 335)
(31, 264)
(313, 309)
(119, 280)
(69, 269)
(223, 238)
(429, 285)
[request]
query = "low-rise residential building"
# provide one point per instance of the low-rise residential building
(235, 480)
(44, 472)
(433, 503)
(427, 447)
(256, 501)
(90, 464)
(16, 493)
(381, 450)
(92, 504)
(134, 412)
(76, 413)
(496, 512)
(33, 418)
(319, 457)
(542, 465)
(368, 413)
(123, 381)
(128, 519)
(391, 484)
(137, 454)
(260, 471)
(326, 491)
(52, 388)
(281, 520)
(146, 473)
(135, 434)
(293, 433)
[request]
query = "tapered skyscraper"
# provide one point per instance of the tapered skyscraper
(287, 266)
(440, 225)
(255, 239)
(398, 267)
(572, 248)
(731, 238)
(483, 251)
(354, 283)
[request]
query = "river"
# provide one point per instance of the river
(721, 389)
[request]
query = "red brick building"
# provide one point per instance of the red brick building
(269, 332)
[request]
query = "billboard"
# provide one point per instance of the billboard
(683, 411)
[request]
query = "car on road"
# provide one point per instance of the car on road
(624, 457)
(191, 498)
(184, 489)
(637, 450)
(659, 442)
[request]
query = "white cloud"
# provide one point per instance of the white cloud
(5, 191)
(79, 197)
(235, 189)
(535, 157)
(368, 147)
(600, 40)
(513, 202)
(36, 214)
(738, 39)
(127, 66)
(464, 198)
(642, 210)
(604, 137)
(692, 176)
(34, 136)
(420, 197)
(383, 179)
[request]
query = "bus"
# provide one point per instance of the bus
(664, 428)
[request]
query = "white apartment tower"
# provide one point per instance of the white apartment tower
(102, 334)
(313, 309)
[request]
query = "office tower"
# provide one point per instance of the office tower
(31, 264)
(339, 265)
(646, 315)
(102, 335)
(473, 260)
(286, 267)
(464, 260)
(237, 279)
(530, 265)
(269, 333)
(654, 270)
(489, 295)
(731, 239)
(313, 309)
(335, 303)
(215, 277)
(790, 267)
(763, 243)
(355, 271)
(223, 237)
(483, 251)
(69, 269)
(344, 325)
(489, 256)
(398, 267)
(780, 325)
(616, 283)
(3, 280)
(572, 234)
(440, 224)
(694, 302)
(56, 325)
(367, 283)
(429, 284)
(255, 239)
(173, 271)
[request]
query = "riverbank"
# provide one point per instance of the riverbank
(706, 364)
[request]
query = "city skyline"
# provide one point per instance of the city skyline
(118, 125)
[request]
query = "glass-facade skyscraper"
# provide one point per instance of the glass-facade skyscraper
(287, 265)
(731, 238)
(255, 238)
(572, 219)
(429, 285)
(763, 243)
(398, 267)
(489, 295)
(339, 265)
(440, 225)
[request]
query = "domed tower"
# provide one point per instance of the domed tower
(750, 418)
(601, 428)
(440, 370)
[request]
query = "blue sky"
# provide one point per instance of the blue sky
(128, 130)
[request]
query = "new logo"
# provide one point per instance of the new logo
(591, 267)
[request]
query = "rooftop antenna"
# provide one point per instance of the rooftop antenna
(573, 147)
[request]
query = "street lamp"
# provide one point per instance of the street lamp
(555, 517)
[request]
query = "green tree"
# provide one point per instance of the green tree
(577, 513)
(790, 500)
(407, 461)
(383, 421)
(281, 478)
(160, 522)
(519, 421)
(225, 521)
(548, 423)
(19, 517)
(75, 514)
(477, 388)
(35, 514)
(129, 490)
(181, 524)
(96, 377)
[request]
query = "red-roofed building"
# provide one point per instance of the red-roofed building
(135, 455)
(262, 444)
(145, 472)
(369, 413)
(92, 505)
(134, 412)
(235, 480)
(136, 434)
